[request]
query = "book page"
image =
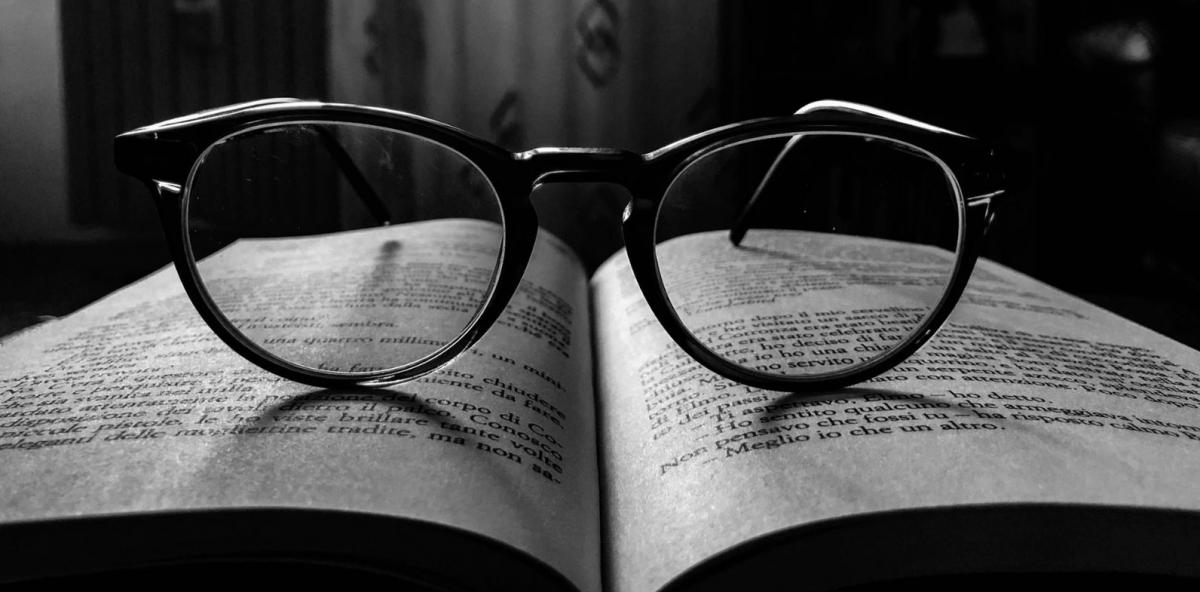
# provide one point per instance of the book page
(1027, 395)
(133, 405)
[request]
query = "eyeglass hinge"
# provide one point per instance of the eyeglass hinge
(165, 188)
(984, 198)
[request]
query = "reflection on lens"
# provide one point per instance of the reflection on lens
(808, 255)
(343, 248)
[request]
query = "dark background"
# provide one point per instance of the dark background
(1096, 96)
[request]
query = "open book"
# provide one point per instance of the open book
(576, 447)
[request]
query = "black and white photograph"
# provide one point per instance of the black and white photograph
(600, 295)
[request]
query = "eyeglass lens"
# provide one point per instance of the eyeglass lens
(310, 237)
(807, 255)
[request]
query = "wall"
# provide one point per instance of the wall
(33, 196)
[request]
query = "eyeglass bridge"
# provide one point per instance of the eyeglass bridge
(579, 165)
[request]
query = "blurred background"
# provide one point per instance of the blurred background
(1096, 95)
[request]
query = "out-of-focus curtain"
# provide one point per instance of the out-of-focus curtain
(616, 73)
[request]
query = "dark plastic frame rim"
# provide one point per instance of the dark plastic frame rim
(423, 365)
(882, 362)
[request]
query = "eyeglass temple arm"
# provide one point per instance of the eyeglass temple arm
(357, 180)
(741, 225)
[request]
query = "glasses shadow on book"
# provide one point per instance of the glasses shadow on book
(852, 396)
(374, 411)
(384, 270)
(359, 405)
(334, 428)
(879, 410)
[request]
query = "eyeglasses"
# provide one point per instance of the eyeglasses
(338, 244)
